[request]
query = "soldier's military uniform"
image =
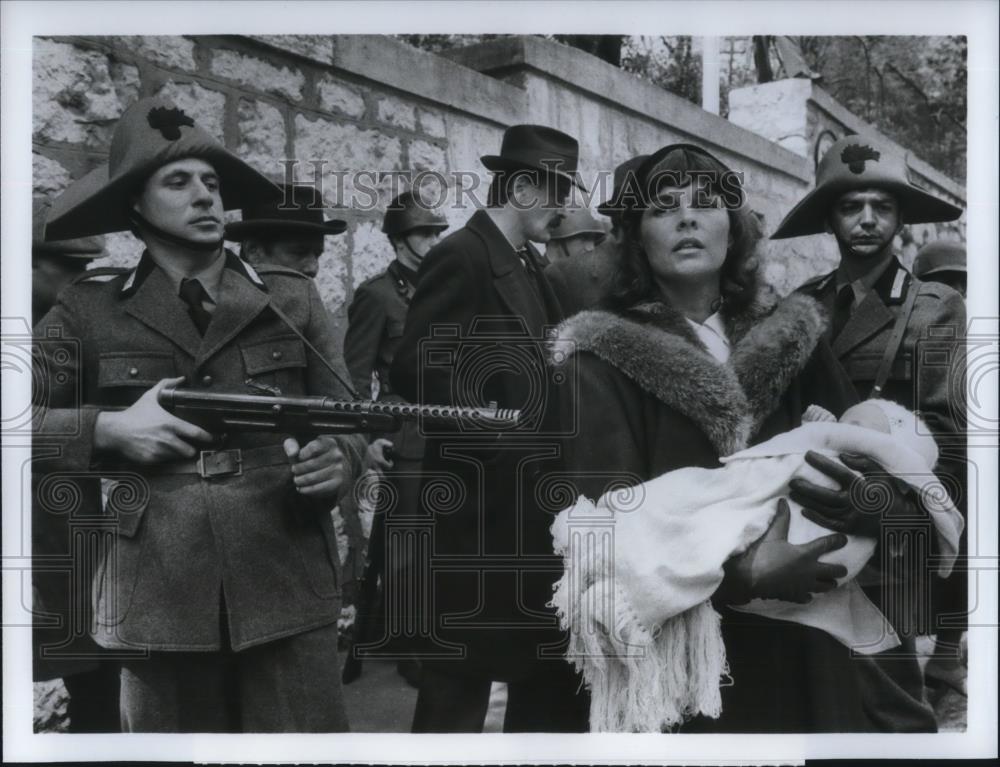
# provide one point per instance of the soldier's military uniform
(926, 374)
(376, 318)
(215, 566)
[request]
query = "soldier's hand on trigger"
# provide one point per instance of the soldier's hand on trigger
(378, 455)
(145, 433)
(318, 469)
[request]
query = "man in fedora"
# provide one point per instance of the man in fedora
(219, 582)
(376, 318)
(475, 334)
(289, 230)
(898, 338)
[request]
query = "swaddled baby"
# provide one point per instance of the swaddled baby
(670, 537)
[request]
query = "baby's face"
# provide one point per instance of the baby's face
(867, 415)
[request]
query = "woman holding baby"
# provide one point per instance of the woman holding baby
(693, 359)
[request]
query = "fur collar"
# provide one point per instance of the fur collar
(655, 346)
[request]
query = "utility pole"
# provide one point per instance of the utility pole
(710, 74)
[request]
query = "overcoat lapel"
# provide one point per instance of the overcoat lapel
(511, 281)
(241, 302)
(868, 319)
(156, 304)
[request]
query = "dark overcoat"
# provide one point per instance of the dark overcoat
(475, 334)
(651, 399)
(179, 543)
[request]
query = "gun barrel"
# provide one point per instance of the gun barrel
(256, 411)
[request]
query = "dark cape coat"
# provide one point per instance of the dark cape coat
(649, 399)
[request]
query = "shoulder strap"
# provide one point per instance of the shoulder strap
(898, 331)
(326, 363)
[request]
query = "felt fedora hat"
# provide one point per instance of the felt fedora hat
(84, 248)
(939, 256)
(857, 162)
(537, 147)
(299, 210)
(151, 133)
(407, 212)
(624, 182)
(578, 220)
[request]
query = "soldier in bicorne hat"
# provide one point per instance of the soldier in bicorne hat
(887, 328)
(221, 574)
(475, 333)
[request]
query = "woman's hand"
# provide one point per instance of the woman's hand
(773, 568)
(868, 494)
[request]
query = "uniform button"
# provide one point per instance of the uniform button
(133, 372)
(206, 381)
(275, 355)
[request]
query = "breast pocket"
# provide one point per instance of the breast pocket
(278, 362)
(139, 369)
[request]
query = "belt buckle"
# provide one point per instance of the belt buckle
(220, 463)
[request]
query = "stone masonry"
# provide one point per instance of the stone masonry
(347, 105)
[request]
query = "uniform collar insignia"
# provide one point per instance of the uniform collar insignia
(139, 274)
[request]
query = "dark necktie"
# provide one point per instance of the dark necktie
(841, 311)
(193, 294)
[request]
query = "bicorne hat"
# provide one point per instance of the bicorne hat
(299, 210)
(151, 133)
(537, 147)
(83, 248)
(858, 162)
(409, 211)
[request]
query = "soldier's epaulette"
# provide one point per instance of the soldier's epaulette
(100, 274)
(930, 288)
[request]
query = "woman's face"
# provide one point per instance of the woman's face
(685, 233)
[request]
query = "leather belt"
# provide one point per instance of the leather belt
(223, 463)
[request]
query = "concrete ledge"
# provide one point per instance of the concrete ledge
(823, 100)
(386, 61)
(587, 73)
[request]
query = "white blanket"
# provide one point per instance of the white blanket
(642, 563)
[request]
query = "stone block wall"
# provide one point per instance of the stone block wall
(311, 98)
(354, 103)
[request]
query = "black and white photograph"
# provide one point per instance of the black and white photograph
(513, 382)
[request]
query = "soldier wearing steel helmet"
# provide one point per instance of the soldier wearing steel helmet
(376, 318)
(220, 581)
(887, 328)
(378, 312)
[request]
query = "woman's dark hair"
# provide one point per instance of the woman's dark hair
(633, 281)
